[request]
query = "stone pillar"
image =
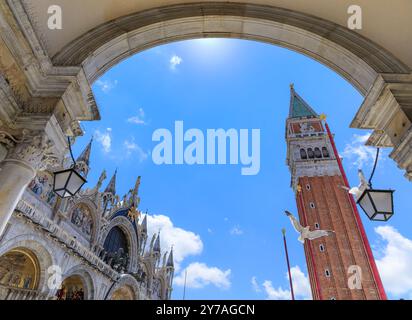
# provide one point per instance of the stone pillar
(31, 153)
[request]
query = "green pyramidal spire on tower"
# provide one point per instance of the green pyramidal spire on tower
(298, 107)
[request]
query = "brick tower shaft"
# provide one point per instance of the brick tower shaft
(340, 266)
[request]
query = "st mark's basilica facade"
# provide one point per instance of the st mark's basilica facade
(91, 246)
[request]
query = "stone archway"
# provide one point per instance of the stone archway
(72, 288)
(123, 293)
(35, 247)
(75, 279)
(124, 225)
(126, 288)
(356, 58)
(20, 269)
(374, 71)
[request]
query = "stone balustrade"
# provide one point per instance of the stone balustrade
(14, 293)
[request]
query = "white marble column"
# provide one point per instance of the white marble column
(14, 177)
(27, 156)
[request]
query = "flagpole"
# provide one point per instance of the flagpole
(287, 261)
(184, 288)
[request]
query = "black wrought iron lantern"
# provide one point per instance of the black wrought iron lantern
(67, 183)
(377, 204)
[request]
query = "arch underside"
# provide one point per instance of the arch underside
(38, 248)
(127, 288)
(131, 236)
(86, 279)
(20, 268)
(356, 58)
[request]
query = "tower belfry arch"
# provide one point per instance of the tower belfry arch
(46, 75)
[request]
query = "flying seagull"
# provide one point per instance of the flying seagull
(363, 185)
(305, 233)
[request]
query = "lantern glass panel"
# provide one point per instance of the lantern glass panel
(377, 204)
(382, 200)
(366, 203)
(75, 183)
(60, 179)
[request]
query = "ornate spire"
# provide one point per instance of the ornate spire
(144, 224)
(298, 107)
(83, 161)
(164, 260)
(134, 196)
(156, 247)
(137, 185)
(111, 187)
(102, 177)
(170, 262)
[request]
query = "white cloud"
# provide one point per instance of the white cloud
(199, 275)
(185, 243)
(395, 262)
(139, 118)
(133, 148)
(357, 153)
(175, 61)
(255, 285)
(106, 85)
(301, 287)
(275, 294)
(105, 139)
(236, 231)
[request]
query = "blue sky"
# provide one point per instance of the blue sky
(226, 227)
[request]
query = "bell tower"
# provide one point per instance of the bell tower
(341, 266)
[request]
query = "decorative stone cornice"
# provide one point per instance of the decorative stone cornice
(402, 154)
(34, 84)
(385, 91)
(387, 109)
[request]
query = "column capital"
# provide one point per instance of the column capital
(34, 149)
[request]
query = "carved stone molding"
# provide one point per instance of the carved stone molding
(35, 149)
(402, 154)
(387, 109)
(8, 139)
